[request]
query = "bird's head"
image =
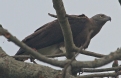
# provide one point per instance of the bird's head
(101, 19)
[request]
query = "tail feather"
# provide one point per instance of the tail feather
(20, 52)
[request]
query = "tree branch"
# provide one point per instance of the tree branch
(14, 67)
(91, 53)
(102, 69)
(28, 56)
(101, 75)
(10, 68)
(99, 62)
(36, 54)
(80, 49)
(65, 26)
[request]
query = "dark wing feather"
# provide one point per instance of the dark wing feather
(51, 33)
(47, 35)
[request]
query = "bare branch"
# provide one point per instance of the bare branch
(29, 67)
(28, 56)
(101, 75)
(65, 26)
(91, 53)
(99, 62)
(16, 69)
(102, 69)
(66, 72)
(36, 54)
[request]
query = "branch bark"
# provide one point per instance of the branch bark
(10, 68)
(102, 69)
(99, 62)
(65, 26)
(16, 69)
(28, 56)
(101, 75)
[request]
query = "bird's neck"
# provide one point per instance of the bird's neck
(99, 24)
(96, 27)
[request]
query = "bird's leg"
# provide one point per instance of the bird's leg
(32, 58)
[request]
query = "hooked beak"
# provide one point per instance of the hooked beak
(109, 18)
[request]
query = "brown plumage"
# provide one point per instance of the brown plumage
(50, 34)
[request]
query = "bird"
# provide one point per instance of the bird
(49, 40)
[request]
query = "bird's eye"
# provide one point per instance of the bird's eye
(101, 16)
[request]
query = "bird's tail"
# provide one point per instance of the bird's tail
(20, 52)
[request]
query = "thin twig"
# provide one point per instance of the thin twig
(102, 69)
(28, 56)
(100, 75)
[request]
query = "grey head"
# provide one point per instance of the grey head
(100, 19)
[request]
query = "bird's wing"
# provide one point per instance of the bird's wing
(45, 36)
(51, 33)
